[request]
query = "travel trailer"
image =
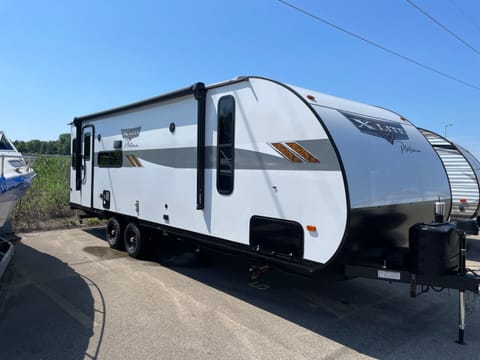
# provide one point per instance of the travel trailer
(311, 182)
(463, 171)
(255, 165)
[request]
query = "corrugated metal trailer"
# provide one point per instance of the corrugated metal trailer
(463, 171)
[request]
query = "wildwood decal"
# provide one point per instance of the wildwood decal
(129, 134)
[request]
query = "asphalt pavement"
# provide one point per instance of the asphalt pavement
(67, 295)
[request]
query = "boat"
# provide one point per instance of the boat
(16, 176)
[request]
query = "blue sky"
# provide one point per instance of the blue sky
(61, 59)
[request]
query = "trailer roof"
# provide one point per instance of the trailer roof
(321, 99)
(325, 100)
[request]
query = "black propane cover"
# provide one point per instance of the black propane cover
(433, 249)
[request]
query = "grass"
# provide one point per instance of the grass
(46, 203)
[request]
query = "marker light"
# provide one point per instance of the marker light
(311, 97)
(311, 228)
(463, 201)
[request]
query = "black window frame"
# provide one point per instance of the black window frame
(225, 176)
(115, 161)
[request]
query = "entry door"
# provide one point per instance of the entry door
(87, 166)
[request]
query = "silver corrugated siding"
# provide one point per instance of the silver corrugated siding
(463, 181)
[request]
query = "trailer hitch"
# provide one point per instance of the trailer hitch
(462, 279)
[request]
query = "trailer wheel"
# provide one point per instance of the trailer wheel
(134, 242)
(114, 234)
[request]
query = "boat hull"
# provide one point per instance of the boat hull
(11, 190)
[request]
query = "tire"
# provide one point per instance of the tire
(134, 241)
(114, 234)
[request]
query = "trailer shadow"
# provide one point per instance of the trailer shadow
(97, 231)
(372, 317)
(46, 309)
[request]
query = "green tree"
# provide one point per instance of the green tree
(34, 146)
(64, 144)
(61, 146)
(51, 148)
(20, 145)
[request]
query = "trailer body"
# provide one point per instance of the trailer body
(268, 169)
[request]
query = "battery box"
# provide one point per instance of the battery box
(433, 249)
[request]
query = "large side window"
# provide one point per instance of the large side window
(110, 158)
(225, 144)
(86, 146)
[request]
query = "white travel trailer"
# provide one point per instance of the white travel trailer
(463, 171)
(254, 165)
(315, 183)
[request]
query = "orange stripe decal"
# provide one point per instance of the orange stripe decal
(134, 161)
(285, 152)
(302, 152)
(137, 161)
(129, 158)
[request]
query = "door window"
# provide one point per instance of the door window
(86, 146)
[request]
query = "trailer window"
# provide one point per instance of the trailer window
(86, 146)
(110, 158)
(73, 152)
(225, 144)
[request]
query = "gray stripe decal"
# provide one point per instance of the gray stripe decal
(323, 151)
(186, 158)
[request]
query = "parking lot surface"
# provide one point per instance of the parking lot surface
(67, 295)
